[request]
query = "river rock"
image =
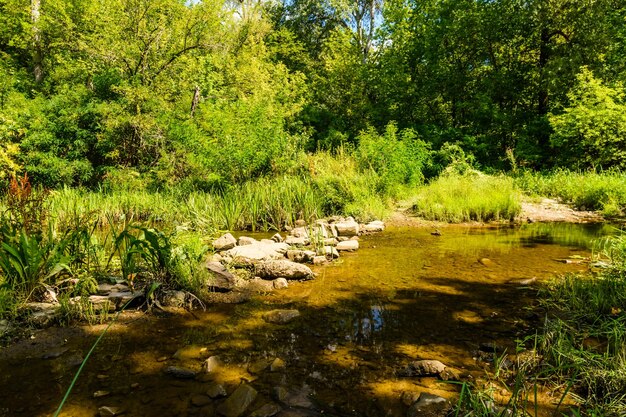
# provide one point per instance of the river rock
(200, 400)
(255, 252)
(220, 277)
(330, 252)
(190, 352)
(277, 365)
(224, 242)
(216, 391)
(212, 364)
(423, 368)
(173, 298)
(43, 314)
(374, 226)
(319, 260)
(523, 281)
(348, 245)
(299, 232)
(5, 326)
(348, 227)
(283, 269)
(297, 241)
(267, 410)
(180, 373)
(246, 240)
(106, 289)
(300, 256)
(280, 316)
(277, 238)
(409, 398)
(238, 402)
(331, 241)
(280, 283)
(257, 284)
(100, 303)
(106, 411)
(429, 405)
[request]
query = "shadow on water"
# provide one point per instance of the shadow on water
(405, 295)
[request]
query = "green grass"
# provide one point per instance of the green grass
(473, 197)
(603, 191)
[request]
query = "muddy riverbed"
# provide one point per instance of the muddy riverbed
(405, 295)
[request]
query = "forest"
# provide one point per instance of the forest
(135, 132)
(207, 95)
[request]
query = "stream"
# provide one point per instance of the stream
(405, 295)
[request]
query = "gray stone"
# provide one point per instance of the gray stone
(238, 402)
(106, 289)
(319, 260)
(410, 397)
(220, 277)
(173, 298)
(299, 232)
(106, 411)
(216, 391)
(348, 245)
(257, 252)
(300, 256)
(267, 410)
(280, 316)
(331, 241)
(300, 223)
(101, 394)
(212, 364)
(283, 269)
(423, 368)
(280, 283)
(429, 405)
(121, 299)
(297, 241)
(348, 227)
(245, 240)
(43, 314)
(180, 373)
(224, 242)
(330, 252)
(277, 238)
(374, 226)
(257, 284)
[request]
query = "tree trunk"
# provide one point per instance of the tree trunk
(35, 6)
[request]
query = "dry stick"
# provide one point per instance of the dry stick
(82, 365)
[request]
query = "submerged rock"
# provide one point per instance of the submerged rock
(216, 391)
(267, 410)
(280, 283)
(180, 373)
(224, 242)
(280, 316)
(429, 405)
(283, 269)
(238, 402)
(106, 411)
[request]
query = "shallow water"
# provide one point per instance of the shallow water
(405, 295)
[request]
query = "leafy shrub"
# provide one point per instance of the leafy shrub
(397, 157)
(591, 131)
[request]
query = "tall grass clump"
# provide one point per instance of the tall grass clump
(469, 197)
(584, 337)
(604, 191)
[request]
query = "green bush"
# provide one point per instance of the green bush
(591, 131)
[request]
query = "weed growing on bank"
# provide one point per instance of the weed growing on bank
(466, 197)
(603, 191)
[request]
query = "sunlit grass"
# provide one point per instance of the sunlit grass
(473, 197)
